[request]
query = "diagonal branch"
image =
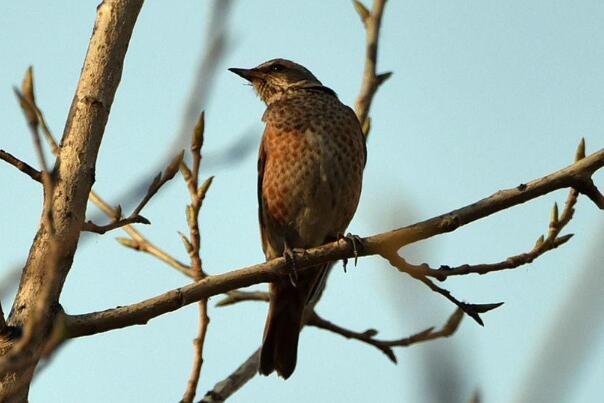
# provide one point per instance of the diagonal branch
(135, 217)
(21, 166)
(384, 243)
(137, 241)
(231, 384)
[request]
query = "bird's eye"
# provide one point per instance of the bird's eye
(277, 67)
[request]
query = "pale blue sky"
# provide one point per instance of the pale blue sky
(485, 95)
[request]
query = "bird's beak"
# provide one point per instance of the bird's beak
(248, 74)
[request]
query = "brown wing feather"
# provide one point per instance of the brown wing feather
(261, 166)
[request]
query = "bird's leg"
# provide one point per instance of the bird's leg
(357, 244)
(290, 257)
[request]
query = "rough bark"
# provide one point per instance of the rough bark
(73, 174)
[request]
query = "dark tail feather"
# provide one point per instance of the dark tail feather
(280, 346)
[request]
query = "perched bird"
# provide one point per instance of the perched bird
(310, 170)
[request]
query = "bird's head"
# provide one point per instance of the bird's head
(274, 78)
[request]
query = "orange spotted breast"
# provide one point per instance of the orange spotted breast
(311, 165)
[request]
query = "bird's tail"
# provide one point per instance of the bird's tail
(280, 346)
(285, 315)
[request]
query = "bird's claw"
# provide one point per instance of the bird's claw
(357, 244)
(290, 257)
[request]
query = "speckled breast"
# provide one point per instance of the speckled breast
(315, 155)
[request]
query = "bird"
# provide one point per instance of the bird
(310, 171)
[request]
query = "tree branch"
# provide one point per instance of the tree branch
(542, 246)
(74, 175)
(227, 387)
(368, 336)
(122, 222)
(138, 241)
(235, 296)
(21, 166)
(385, 346)
(193, 248)
(135, 217)
(381, 244)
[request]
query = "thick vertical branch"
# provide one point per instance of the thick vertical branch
(74, 176)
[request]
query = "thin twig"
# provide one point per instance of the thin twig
(372, 20)
(199, 342)
(101, 229)
(21, 166)
(138, 241)
(472, 310)
(386, 346)
(235, 296)
(193, 248)
(368, 336)
(542, 246)
(135, 217)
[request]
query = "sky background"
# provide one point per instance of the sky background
(485, 95)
